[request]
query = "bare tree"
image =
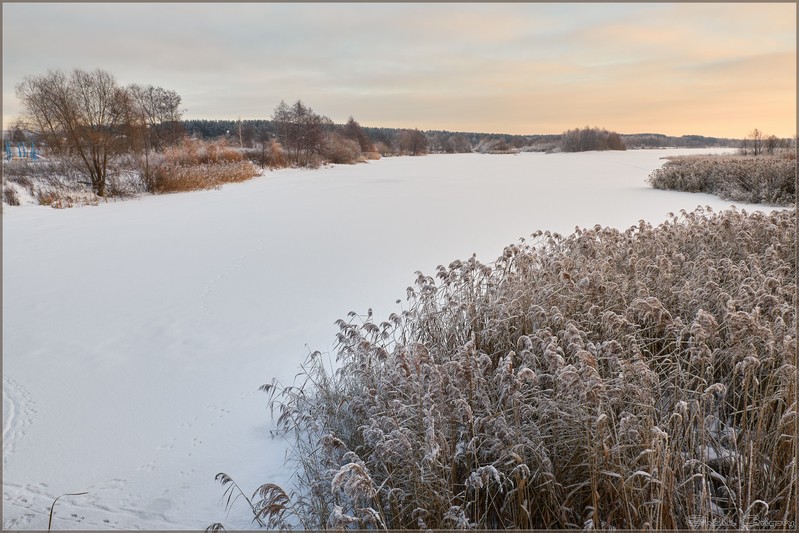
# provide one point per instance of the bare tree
(614, 141)
(353, 130)
(756, 136)
(301, 131)
(772, 144)
(159, 109)
(282, 119)
(743, 149)
(587, 138)
(412, 142)
(459, 144)
(17, 131)
(85, 114)
(247, 134)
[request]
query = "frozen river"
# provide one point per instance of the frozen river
(136, 333)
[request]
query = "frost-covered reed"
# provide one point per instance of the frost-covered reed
(762, 179)
(609, 379)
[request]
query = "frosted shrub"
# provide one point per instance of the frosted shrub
(341, 150)
(10, 195)
(55, 183)
(638, 379)
(762, 179)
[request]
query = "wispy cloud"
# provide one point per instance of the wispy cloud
(520, 68)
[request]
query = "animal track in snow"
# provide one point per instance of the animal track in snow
(88, 511)
(235, 264)
(18, 413)
(220, 412)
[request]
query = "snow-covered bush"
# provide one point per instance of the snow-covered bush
(57, 183)
(638, 379)
(10, 195)
(495, 146)
(763, 179)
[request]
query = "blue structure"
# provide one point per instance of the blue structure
(22, 151)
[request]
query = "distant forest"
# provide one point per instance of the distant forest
(142, 132)
(250, 133)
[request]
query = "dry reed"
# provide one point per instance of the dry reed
(761, 179)
(638, 379)
(194, 165)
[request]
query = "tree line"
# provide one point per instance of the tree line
(658, 140)
(756, 143)
(297, 127)
(88, 117)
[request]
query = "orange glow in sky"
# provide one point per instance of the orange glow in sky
(710, 69)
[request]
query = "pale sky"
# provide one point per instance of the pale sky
(717, 69)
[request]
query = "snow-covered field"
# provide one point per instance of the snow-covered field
(136, 333)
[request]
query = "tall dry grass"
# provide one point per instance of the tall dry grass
(268, 154)
(195, 164)
(762, 179)
(638, 379)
